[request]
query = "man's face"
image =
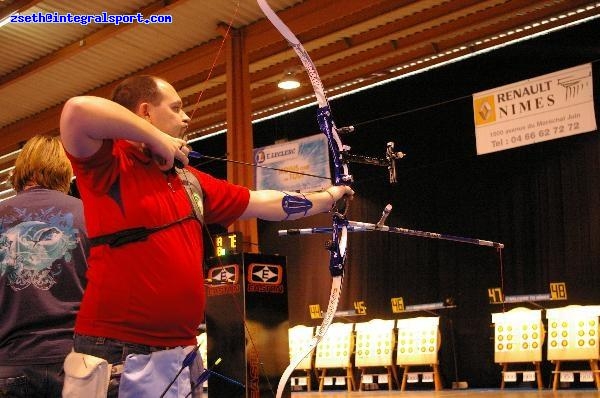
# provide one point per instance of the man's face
(168, 114)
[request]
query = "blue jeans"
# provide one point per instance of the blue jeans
(115, 352)
(27, 381)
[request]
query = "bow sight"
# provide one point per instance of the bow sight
(390, 159)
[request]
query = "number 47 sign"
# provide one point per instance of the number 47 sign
(558, 291)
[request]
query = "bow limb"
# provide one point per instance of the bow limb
(334, 297)
(238, 306)
(337, 246)
(341, 175)
(299, 49)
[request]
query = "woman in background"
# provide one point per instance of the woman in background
(43, 247)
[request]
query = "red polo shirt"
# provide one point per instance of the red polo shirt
(149, 292)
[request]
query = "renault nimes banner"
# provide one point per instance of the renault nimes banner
(544, 108)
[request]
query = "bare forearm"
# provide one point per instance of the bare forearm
(274, 205)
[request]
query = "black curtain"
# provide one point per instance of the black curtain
(542, 201)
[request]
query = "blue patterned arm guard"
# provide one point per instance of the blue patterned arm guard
(295, 204)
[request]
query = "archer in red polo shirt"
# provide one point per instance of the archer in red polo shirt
(148, 294)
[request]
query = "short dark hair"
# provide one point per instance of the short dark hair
(137, 89)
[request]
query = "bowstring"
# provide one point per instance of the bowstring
(204, 226)
(217, 56)
(235, 301)
(241, 314)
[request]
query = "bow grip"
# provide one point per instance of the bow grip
(337, 246)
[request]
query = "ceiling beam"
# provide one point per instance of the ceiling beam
(17, 6)
(370, 56)
(380, 58)
(376, 43)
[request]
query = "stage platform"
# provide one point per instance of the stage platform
(468, 393)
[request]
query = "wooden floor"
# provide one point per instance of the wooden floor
(468, 393)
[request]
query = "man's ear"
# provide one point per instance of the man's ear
(143, 110)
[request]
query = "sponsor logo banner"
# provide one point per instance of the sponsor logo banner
(544, 108)
(308, 155)
(265, 278)
(223, 280)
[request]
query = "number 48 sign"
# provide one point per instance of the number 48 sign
(558, 291)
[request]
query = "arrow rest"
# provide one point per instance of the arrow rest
(345, 130)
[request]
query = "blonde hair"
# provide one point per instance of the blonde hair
(42, 162)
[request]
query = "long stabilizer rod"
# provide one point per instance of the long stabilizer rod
(356, 226)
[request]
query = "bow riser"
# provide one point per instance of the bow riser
(337, 247)
(340, 167)
(341, 177)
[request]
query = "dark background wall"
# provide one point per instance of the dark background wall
(542, 201)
